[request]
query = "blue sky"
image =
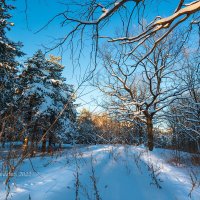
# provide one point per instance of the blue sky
(38, 14)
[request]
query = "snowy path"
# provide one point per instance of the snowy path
(119, 174)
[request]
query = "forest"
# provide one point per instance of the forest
(138, 137)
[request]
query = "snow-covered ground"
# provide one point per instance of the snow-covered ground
(104, 172)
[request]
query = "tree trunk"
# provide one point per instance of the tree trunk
(44, 144)
(2, 134)
(3, 141)
(25, 146)
(140, 135)
(32, 146)
(50, 148)
(150, 133)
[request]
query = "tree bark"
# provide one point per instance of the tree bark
(2, 134)
(140, 135)
(32, 145)
(44, 144)
(25, 146)
(150, 133)
(50, 148)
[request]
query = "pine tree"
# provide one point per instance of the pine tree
(87, 128)
(9, 50)
(63, 103)
(45, 95)
(33, 92)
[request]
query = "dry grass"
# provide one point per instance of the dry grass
(177, 161)
(195, 160)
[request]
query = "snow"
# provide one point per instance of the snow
(105, 12)
(121, 173)
(190, 8)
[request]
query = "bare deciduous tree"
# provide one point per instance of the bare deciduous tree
(93, 20)
(184, 114)
(141, 93)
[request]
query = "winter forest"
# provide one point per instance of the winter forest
(99, 100)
